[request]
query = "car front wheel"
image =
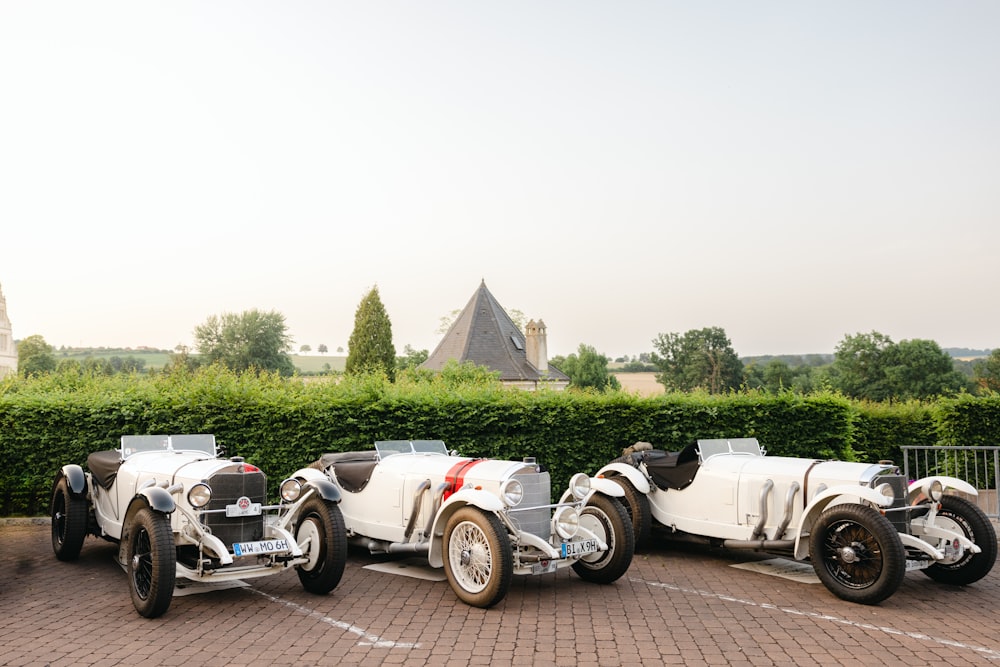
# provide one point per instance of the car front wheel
(606, 517)
(857, 554)
(69, 522)
(478, 560)
(152, 563)
(961, 516)
(323, 538)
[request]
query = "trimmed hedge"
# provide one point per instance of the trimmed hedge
(284, 424)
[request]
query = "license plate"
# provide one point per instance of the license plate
(243, 509)
(263, 547)
(570, 549)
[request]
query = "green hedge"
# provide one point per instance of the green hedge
(283, 424)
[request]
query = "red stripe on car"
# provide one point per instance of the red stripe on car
(455, 477)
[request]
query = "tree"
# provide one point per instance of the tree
(370, 347)
(920, 369)
(322, 348)
(858, 368)
(873, 367)
(411, 358)
(586, 369)
(987, 372)
(700, 359)
(305, 349)
(251, 340)
(35, 356)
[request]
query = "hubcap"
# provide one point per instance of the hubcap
(848, 555)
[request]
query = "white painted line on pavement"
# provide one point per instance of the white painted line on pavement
(369, 639)
(989, 653)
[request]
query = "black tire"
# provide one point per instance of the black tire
(607, 518)
(637, 506)
(478, 560)
(322, 524)
(152, 563)
(69, 522)
(857, 554)
(962, 516)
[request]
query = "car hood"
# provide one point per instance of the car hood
(437, 467)
(830, 472)
(182, 465)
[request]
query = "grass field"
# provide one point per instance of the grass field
(313, 363)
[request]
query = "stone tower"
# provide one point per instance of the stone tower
(8, 351)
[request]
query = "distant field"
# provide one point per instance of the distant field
(644, 384)
(317, 363)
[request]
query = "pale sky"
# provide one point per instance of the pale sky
(792, 172)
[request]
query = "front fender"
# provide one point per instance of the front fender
(484, 500)
(157, 498)
(75, 478)
(915, 489)
(824, 499)
(326, 489)
(639, 481)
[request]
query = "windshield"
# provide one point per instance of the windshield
(136, 444)
(708, 448)
(389, 447)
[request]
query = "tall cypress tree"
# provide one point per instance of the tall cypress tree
(370, 345)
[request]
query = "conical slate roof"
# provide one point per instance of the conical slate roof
(484, 334)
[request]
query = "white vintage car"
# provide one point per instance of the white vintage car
(178, 510)
(861, 525)
(483, 520)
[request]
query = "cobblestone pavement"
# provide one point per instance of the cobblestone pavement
(676, 605)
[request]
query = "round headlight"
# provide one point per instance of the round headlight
(567, 522)
(579, 485)
(935, 490)
(290, 490)
(887, 491)
(199, 495)
(512, 492)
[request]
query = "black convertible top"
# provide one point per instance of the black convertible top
(672, 470)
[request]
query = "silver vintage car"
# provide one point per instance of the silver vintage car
(482, 520)
(862, 525)
(177, 509)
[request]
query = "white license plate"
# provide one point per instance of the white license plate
(263, 547)
(570, 549)
(249, 509)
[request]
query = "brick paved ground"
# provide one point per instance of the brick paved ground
(674, 606)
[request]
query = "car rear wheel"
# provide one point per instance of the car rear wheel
(69, 522)
(478, 560)
(857, 554)
(961, 516)
(152, 563)
(323, 539)
(637, 506)
(606, 517)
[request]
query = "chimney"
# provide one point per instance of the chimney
(535, 346)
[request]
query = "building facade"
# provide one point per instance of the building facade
(8, 350)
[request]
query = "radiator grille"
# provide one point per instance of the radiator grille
(227, 488)
(537, 494)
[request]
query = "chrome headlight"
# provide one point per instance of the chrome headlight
(199, 495)
(290, 490)
(579, 485)
(887, 491)
(934, 491)
(566, 522)
(512, 492)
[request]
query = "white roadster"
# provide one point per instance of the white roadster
(861, 525)
(178, 510)
(483, 520)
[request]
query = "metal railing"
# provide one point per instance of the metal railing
(979, 466)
